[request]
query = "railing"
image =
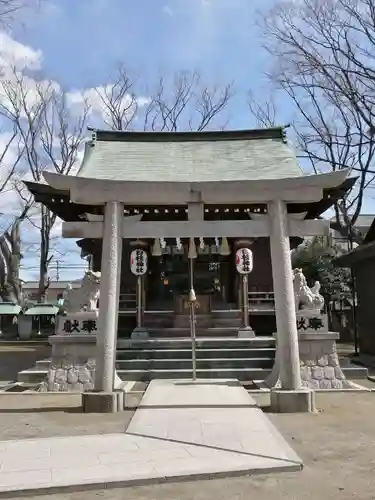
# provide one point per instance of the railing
(262, 299)
(127, 301)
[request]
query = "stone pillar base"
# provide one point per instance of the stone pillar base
(102, 402)
(298, 401)
(246, 333)
(140, 333)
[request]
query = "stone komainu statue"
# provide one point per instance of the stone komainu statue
(84, 298)
(305, 297)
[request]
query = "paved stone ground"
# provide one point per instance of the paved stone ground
(336, 445)
(181, 429)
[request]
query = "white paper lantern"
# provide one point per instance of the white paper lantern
(244, 260)
(138, 262)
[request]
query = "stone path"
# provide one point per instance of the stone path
(181, 429)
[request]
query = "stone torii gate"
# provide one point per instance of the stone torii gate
(277, 224)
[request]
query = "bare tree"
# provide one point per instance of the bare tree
(183, 102)
(51, 138)
(265, 112)
(10, 261)
(10, 8)
(323, 54)
(7, 170)
(117, 100)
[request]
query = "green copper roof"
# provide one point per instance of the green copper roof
(9, 308)
(189, 156)
(42, 310)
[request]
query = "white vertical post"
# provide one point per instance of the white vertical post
(245, 288)
(109, 297)
(139, 301)
(287, 335)
(192, 300)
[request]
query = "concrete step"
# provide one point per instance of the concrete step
(355, 372)
(226, 313)
(246, 353)
(43, 364)
(181, 364)
(239, 373)
(201, 321)
(185, 343)
(227, 322)
(32, 376)
(224, 373)
(200, 332)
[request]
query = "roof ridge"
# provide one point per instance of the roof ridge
(278, 132)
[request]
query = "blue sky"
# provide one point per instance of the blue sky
(81, 41)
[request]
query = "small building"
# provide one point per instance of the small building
(362, 261)
(9, 312)
(54, 291)
(159, 171)
(361, 228)
(191, 200)
(39, 319)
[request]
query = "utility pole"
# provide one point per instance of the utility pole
(57, 270)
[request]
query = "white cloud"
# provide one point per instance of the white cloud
(18, 55)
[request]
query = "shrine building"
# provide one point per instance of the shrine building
(193, 196)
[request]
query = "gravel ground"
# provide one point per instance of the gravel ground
(37, 416)
(336, 444)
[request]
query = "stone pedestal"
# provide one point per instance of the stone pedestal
(140, 333)
(78, 323)
(319, 362)
(73, 362)
(246, 333)
(74, 355)
(311, 321)
(73, 359)
(102, 402)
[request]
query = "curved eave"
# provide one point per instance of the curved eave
(295, 189)
(330, 196)
(370, 236)
(58, 201)
(356, 256)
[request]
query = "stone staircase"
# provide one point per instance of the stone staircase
(161, 324)
(230, 357)
(167, 353)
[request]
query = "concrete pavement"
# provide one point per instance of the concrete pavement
(180, 430)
